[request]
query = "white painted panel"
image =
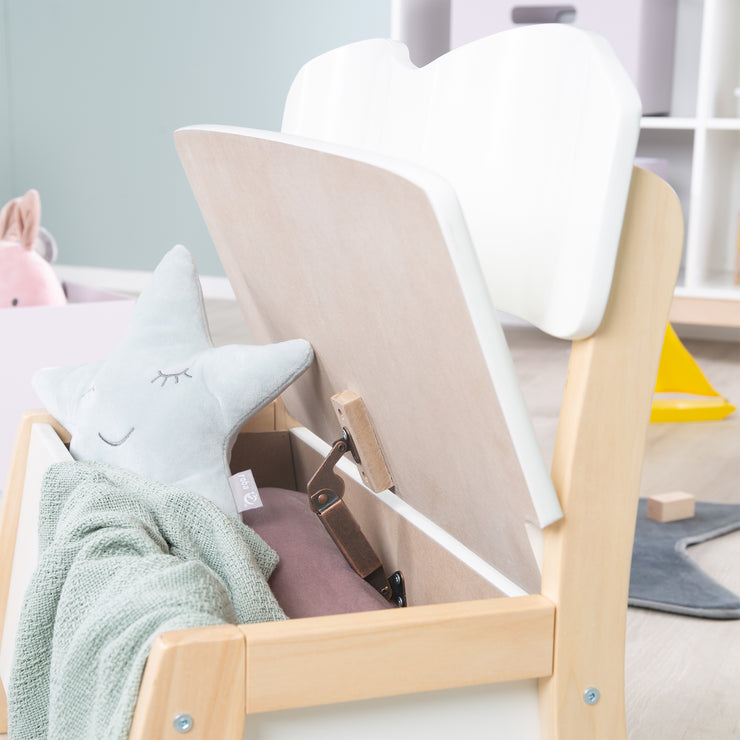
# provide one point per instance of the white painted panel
(83, 330)
(534, 128)
(686, 59)
(720, 68)
(45, 448)
(508, 711)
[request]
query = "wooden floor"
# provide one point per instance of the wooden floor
(683, 674)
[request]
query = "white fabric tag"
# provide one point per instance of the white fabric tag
(245, 492)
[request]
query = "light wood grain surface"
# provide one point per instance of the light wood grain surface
(706, 311)
(596, 470)
(428, 348)
(345, 658)
(352, 416)
(206, 676)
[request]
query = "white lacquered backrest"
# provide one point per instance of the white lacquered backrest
(534, 128)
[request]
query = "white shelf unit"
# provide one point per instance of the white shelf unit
(700, 139)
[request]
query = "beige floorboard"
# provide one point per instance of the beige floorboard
(683, 674)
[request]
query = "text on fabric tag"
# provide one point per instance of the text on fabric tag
(245, 491)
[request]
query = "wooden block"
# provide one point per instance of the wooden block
(352, 414)
(669, 507)
(200, 672)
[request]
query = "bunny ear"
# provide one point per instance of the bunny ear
(20, 219)
(30, 209)
(10, 222)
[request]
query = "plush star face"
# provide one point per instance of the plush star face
(166, 404)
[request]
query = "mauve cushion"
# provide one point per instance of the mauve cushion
(312, 579)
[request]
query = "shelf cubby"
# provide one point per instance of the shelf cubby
(701, 141)
(716, 210)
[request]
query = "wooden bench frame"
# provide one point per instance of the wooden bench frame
(570, 637)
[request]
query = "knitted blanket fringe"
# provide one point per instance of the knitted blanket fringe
(121, 559)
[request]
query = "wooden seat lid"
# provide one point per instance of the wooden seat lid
(369, 259)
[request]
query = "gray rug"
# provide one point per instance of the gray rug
(665, 578)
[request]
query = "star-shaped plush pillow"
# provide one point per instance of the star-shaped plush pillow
(166, 404)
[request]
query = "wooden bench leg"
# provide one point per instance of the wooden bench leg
(3, 709)
(596, 470)
(196, 678)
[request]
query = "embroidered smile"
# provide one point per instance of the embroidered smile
(120, 441)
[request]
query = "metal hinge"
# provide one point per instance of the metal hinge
(325, 492)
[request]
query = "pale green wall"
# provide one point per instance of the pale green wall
(5, 173)
(95, 89)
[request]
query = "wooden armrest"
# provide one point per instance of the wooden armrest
(397, 651)
(218, 674)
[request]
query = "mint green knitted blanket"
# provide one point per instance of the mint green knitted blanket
(122, 559)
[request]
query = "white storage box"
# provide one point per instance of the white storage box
(642, 33)
(83, 330)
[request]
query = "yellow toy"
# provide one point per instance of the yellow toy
(683, 392)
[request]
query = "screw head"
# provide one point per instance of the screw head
(591, 695)
(183, 723)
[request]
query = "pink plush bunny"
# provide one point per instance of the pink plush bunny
(26, 278)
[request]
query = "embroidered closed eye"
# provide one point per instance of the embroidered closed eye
(164, 377)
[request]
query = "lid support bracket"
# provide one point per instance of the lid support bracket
(326, 491)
